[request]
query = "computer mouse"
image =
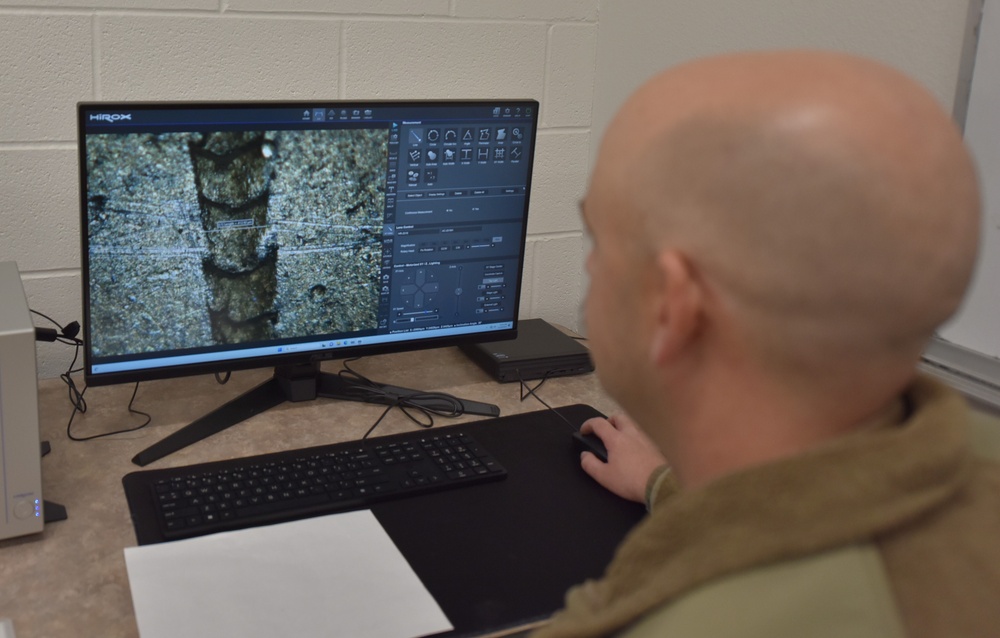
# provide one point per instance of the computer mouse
(590, 443)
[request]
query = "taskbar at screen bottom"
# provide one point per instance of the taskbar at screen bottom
(324, 346)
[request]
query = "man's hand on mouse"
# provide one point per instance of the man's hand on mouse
(632, 456)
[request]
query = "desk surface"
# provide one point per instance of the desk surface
(70, 580)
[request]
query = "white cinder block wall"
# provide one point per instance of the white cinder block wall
(58, 52)
(579, 58)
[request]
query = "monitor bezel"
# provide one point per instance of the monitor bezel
(311, 357)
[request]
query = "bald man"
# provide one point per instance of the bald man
(776, 236)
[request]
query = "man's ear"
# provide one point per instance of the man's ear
(679, 306)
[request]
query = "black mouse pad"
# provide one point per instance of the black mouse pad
(503, 554)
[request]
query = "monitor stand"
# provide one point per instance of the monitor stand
(291, 383)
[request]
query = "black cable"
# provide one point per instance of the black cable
(527, 391)
(225, 379)
(131, 410)
(67, 335)
(426, 404)
(75, 394)
(379, 420)
(45, 316)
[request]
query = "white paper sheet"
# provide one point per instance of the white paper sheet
(338, 575)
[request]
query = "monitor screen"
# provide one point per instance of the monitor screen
(223, 236)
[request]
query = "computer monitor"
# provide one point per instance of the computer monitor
(219, 236)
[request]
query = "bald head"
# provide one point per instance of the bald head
(826, 202)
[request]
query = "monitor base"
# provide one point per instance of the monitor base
(290, 383)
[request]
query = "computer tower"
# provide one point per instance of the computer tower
(20, 445)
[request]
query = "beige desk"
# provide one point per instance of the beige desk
(70, 580)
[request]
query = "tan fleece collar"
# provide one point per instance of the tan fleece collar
(857, 487)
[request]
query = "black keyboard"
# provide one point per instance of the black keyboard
(223, 495)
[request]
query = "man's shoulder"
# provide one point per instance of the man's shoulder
(841, 592)
(984, 434)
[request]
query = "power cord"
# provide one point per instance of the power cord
(67, 334)
(132, 410)
(424, 404)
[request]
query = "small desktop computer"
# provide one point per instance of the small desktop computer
(540, 351)
(20, 451)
